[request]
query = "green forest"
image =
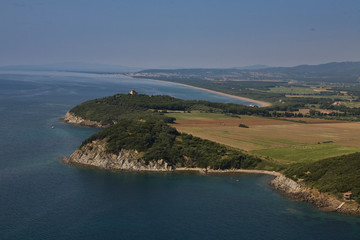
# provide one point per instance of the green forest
(336, 175)
(138, 122)
(157, 140)
(125, 106)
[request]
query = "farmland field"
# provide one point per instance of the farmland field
(294, 90)
(283, 141)
(344, 97)
(197, 115)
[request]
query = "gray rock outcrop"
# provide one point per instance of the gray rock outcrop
(76, 120)
(94, 155)
(300, 191)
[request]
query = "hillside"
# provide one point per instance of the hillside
(156, 140)
(336, 175)
(125, 106)
(133, 122)
(328, 72)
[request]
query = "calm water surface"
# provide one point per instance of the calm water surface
(40, 198)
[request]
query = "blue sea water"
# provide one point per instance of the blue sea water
(40, 198)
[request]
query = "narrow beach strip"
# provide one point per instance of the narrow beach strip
(261, 103)
(203, 170)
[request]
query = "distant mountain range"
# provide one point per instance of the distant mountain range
(333, 67)
(328, 72)
(73, 67)
(253, 67)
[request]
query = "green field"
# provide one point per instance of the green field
(346, 97)
(306, 153)
(353, 104)
(294, 90)
(283, 141)
(198, 115)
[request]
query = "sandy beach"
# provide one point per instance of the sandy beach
(261, 103)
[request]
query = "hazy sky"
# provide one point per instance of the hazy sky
(179, 33)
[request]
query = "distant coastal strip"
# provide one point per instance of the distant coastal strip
(261, 103)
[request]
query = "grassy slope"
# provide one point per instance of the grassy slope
(197, 115)
(306, 153)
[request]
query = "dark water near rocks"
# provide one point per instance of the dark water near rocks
(40, 198)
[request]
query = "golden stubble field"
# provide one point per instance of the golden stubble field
(281, 140)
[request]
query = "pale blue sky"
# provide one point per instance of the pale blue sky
(179, 33)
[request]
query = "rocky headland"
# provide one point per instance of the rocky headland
(71, 118)
(325, 201)
(94, 155)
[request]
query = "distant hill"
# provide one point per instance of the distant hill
(73, 67)
(327, 68)
(253, 67)
(329, 72)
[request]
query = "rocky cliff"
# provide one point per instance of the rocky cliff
(94, 155)
(76, 120)
(325, 201)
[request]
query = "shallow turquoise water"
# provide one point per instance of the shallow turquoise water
(40, 198)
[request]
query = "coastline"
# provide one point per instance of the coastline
(123, 162)
(204, 171)
(261, 103)
(288, 187)
(324, 201)
(72, 119)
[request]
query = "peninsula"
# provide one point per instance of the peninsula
(140, 134)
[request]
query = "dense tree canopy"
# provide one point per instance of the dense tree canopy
(157, 140)
(336, 175)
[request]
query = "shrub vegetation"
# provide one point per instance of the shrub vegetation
(336, 175)
(138, 122)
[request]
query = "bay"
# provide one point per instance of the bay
(40, 198)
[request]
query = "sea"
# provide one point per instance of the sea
(41, 198)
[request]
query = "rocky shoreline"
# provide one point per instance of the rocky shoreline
(324, 201)
(71, 118)
(94, 155)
